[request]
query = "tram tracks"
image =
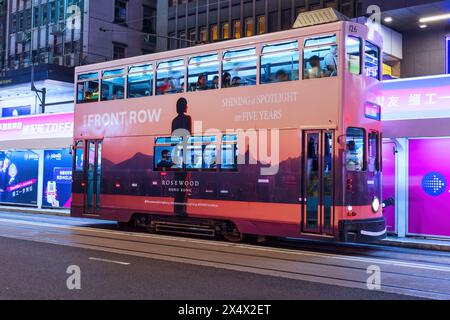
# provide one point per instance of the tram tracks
(398, 276)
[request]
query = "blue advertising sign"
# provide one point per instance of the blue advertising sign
(16, 111)
(57, 179)
(19, 177)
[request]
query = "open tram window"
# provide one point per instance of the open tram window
(87, 87)
(170, 77)
(320, 57)
(113, 85)
(229, 153)
(279, 62)
(140, 81)
(203, 72)
(353, 54)
(373, 152)
(372, 60)
(355, 151)
(239, 68)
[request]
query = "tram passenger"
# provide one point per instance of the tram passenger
(165, 161)
(236, 82)
(164, 87)
(353, 156)
(201, 82)
(215, 83)
(226, 80)
(281, 76)
(331, 62)
(315, 71)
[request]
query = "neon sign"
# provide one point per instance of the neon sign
(416, 98)
(373, 111)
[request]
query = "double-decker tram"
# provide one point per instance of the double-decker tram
(274, 135)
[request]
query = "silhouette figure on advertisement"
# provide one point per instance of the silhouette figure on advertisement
(181, 123)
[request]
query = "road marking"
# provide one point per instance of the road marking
(110, 261)
(397, 263)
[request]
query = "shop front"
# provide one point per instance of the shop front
(416, 155)
(35, 160)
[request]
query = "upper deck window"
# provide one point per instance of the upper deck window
(113, 84)
(203, 72)
(140, 81)
(320, 57)
(170, 77)
(239, 68)
(320, 41)
(372, 60)
(353, 50)
(279, 62)
(87, 87)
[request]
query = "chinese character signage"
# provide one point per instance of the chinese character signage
(57, 179)
(416, 98)
(37, 126)
(19, 177)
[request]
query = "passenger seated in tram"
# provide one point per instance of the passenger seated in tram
(236, 82)
(315, 70)
(226, 80)
(165, 161)
(215, 83)
(281, 76)
(164, 87)
(201, 82)
(331, 62)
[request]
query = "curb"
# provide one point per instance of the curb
(416, 245)
(50, 212)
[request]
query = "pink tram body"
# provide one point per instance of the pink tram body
(283, 137)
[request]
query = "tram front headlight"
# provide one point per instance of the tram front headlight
(375, 204)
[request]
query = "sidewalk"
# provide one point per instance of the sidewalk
(49, 211)
(417, 243)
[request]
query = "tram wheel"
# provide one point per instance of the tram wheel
(234, 236)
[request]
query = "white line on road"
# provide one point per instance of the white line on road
(110, 261)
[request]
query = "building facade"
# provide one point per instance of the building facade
(74, 32)
(41, 42)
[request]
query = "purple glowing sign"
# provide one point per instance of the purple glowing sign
(373, 111)
(447, 54)
(416, 98)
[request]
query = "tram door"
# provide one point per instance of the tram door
(92, 176)
(318, 182)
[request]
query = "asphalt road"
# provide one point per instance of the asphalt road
(36, 250)
(32, 270)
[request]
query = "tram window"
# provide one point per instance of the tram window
(239, 68)
(372, 60)
(140, 81)
(279, 62)
(87, 91)
(79, 159)
(353, 49)
(229, 153)
(113, 85)
(354, 158)
(320, 62)
(201, 153)
(170, 77)
(373, 157)
(321, 40)
(203, 73)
